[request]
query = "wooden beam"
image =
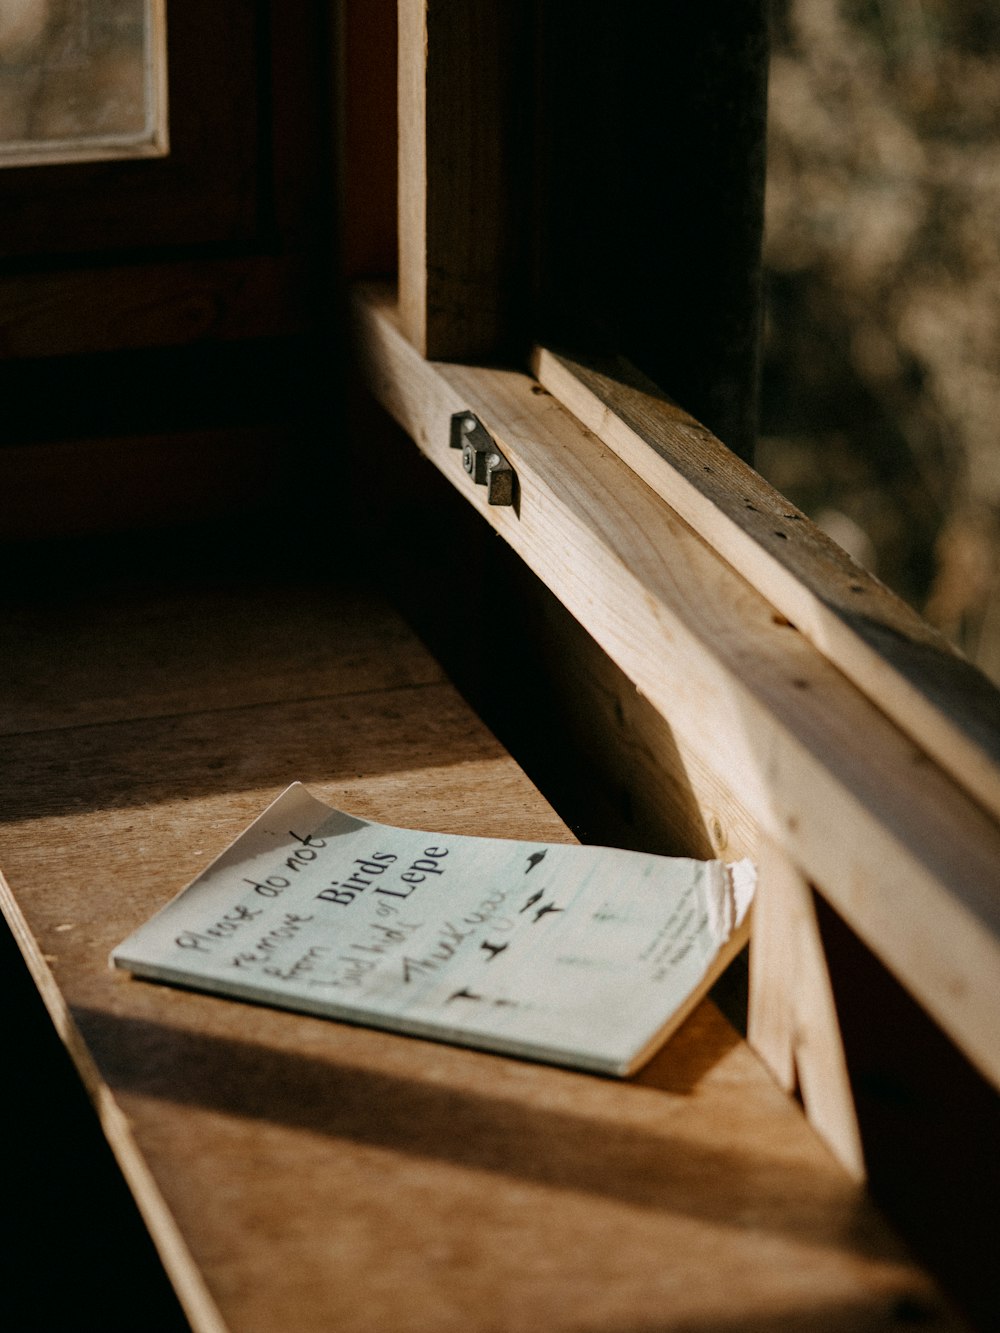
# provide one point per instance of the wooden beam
(463, 155)
(664, 796)
(938, 698)
(157, 305)
(792, 1020)
(906, 857)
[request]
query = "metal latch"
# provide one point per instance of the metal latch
(482, 459)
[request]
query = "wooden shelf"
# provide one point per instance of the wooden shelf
(296, 1173)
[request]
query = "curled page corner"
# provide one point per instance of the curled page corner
(729, 890)
(742, 877)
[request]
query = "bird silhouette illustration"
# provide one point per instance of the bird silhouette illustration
(544, 911)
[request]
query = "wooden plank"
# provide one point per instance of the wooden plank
(897, 659)
(792, 1020)
(60, 488)
(905, 856)
(65, 313)
(282, 1161)
(200, 642)
(463, 151)
(662, 794)
(412, 169)
(51, 679)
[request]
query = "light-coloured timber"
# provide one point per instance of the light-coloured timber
(896, 658)
(654, 785)
(792, 1019)
(906, 856)
(412, 170)
(461, 154)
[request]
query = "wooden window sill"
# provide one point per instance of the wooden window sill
(296, 1173)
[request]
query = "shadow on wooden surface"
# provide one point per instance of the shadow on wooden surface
(513, 1138)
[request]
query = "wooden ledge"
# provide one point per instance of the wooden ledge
(303, 1174)
(900, 662)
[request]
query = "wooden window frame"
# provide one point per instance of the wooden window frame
(834, 734)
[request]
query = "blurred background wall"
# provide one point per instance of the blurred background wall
(881, 395)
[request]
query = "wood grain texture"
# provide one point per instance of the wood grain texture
(910, 861)
(793, 1021)
(66, 313)
(304, 1174)
(411, 174)
(61, 488)
(897, 659)
(666, 798)
(116, 664)
(463, 83)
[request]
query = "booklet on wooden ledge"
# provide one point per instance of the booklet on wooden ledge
(582, 956)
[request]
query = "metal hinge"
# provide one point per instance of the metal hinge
(481, 458)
